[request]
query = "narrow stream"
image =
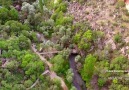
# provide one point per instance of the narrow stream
(77, 80)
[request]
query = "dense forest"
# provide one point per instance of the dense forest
(64, 45)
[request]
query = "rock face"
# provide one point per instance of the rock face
(102, 15)
(18, 7)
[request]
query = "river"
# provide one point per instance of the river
(77, 80)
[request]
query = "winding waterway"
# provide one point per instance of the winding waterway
(77, 80)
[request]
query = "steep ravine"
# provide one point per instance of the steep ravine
(77, 80)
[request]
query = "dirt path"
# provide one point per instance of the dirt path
(53, 74)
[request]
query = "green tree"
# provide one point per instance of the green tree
(4, 14)
(59, 64)
(13, 14)
(28, 83)
(88, 68)
(6, 3)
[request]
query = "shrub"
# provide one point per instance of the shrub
(24, 42)
(28, 83)
(32, 65)
(12, 65)
(4, 14)
(120, 3)
(64, 21)
(46, 28)
(125, 18)
(58, 64)
(85, 40)
(15, 27)
(26, 59)
(3, 44)
(61, 7)
(119, 63)
(13, 14)
(117, 38)
(88, 35)
(84, 45)
(118, 87)
(6, 3)
(88, 68)
(101, 82)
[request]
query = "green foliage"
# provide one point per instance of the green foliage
(88, 35)
(59, 64)
(6, 14)
(120, 3)
(6, 3)
(118, 38)
(18, 87)
(57, 82)
(64, 21)
(16, 26)
(46, 28)
(18, 43)
(77, 38)
(118, 87)
(26, 59)
(84, 45)
(12, 65)
(3, 44)
(101, 82)
(28, 83)
(61, 7)
(58, 15)
(41, 5)
(73, 88)
(115, 80)
(85, 40)
(32, 65)
(13, 13)
(69, 76)
(119, 63)
(88, 68)
(24, 42)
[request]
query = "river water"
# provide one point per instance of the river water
(77, 80)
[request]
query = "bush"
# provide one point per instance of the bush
(88, 68)
(85, 41)
(28, 83)
(32, 65)
(101, 82)
(61, 7)
(46, 28)
(120, 3)
(13, 14)
(6, 3)
(88, 35)
(15, 27)
(6, 14)
(117, 38)
(24, 42)
(3, 44)
(12, 65)
(64, 21)
(58, 64)
(119, 63)
(125, 18)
